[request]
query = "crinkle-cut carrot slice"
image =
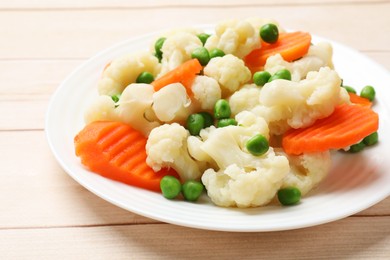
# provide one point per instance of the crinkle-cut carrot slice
(356, 99)
(184, 74)
(116, 151)
(290, 45)
(347, 125)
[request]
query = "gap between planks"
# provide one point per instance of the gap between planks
(151, 222)
(346, 239)
(52, 34)
(156, 222)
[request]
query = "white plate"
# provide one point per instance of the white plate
(355, 182)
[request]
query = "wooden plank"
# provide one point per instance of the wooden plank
(74, 4)
(53, 34)
(40, 77)
(346, 239)
(380, 209)
(36, 192)
(41, 194)
(24, 99)
(22, 111)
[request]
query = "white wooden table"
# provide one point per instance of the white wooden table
(44, 214)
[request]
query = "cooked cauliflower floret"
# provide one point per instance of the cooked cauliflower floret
(234, 37)
(102, 108)
(322, 50)
(134, 108)
(167, 147)
(230, 72)
(287, 103)
(318, 56)
(251, 125)
(206, 91)
(307, 170)
(194, 149)
(171, 103)
(224, 146)
(235, 186)
(177, 49)
(238, 178)
(246, 98)
(125, 70)
(275, 117)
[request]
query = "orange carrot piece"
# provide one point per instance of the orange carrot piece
(347, 125)
(116, 151)
(356, 99)
(291, 45)
(184, 74)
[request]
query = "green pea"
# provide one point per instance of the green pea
(195, 123)
(371, 139)
(157, 47)
(222, 109)
(145, 77)
(192, 190)
(170, 187)
(203, 37)
(289, 196)
(349, 89)
(281, 74)
(208, 119)
(257, 145)
(269, 33)
(368, 92)
(355, 148)
(216, 53)
(116, 97)
(202, 54)
(261, 77)
(226, 122)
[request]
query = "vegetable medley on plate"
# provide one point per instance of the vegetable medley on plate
(248, 114)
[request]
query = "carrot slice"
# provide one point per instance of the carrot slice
(356, 99)
(291, 45)
(184, 74)
(116, 151)
(347, 125)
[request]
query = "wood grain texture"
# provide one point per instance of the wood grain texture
(45, 214)
(52, 34)
(148, 4)
(344, 239)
